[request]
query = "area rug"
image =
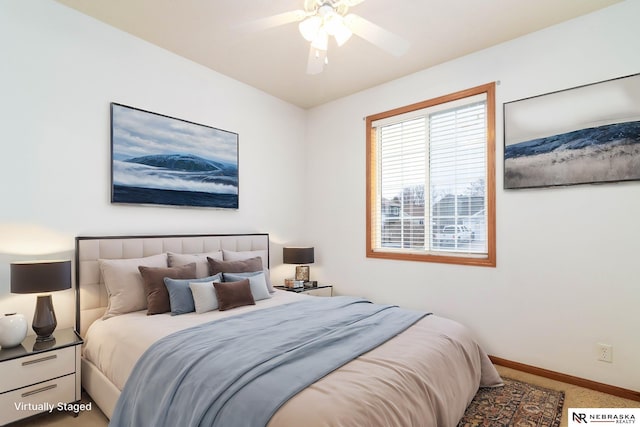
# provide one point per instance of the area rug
(515, 404)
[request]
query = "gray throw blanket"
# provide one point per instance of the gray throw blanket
(239, 370)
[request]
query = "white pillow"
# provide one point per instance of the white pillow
(124, 283)
(202, 266)
(204, 296)
(242, 255)
(257, 283)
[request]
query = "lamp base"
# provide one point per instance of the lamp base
(48, 338)
(302, 273)
(44, 345)
(44, 319)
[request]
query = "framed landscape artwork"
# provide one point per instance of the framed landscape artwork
(586, 134)
(161, 160)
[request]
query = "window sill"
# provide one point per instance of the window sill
(462, 259)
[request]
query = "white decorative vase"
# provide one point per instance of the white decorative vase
(13, 329)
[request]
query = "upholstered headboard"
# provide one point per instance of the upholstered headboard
(91, 294)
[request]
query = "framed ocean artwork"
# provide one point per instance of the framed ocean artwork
(161, 160)
(587, 134)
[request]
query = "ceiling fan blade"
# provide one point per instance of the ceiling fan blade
(376, 35)
(271, 21)
(316, 61)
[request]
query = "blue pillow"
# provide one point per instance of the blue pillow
(257, 283)
(180, 297)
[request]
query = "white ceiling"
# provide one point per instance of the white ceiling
(275, 60)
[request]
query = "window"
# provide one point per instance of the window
(431, 180)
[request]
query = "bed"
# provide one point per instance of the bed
(424, 376)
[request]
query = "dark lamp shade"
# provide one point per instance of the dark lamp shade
(40, 276)
(297, 255)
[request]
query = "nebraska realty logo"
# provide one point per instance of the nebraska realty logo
(603, 416)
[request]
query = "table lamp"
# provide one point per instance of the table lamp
(299, 255)
(31, 277)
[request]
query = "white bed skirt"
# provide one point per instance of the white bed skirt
(101, 390)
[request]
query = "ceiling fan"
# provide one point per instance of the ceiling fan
(322, 19)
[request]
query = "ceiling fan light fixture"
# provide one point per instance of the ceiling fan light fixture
(332, 22)
(321, 42)
(326, 22)
(309, 27)
(342, 35)
(319, 19)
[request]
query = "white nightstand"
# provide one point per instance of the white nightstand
(39, 377)
(318, 291)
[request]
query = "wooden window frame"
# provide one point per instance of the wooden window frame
(372, 171)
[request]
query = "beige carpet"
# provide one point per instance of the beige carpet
(575, 397)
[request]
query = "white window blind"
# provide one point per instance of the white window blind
(403, 162)
(457, 169)
(431, 179)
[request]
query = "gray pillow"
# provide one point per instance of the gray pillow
(242, 255)
(124, 283)
(257, 283)
(249, 265)
(180, 295)
(202, 267)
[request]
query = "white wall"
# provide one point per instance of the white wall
(567, 272)
(58, 73)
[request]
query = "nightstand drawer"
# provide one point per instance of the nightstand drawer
(38, 367)
(31, 400)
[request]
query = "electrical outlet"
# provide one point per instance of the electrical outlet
(605, 352)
